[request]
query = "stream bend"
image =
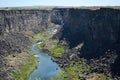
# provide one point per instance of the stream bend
(46, 69)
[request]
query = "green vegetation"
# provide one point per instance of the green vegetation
(41, 36)
(50, 44)
(26, 69)
(75, 71)
(57, 51)
(60, 76)
(40, 46)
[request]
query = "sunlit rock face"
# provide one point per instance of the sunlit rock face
(16, 23)
(23, 20)
(15, 28)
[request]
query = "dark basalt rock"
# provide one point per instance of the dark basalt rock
(115, 67)
(98, 29)
(13, 26)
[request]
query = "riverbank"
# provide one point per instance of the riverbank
(19, 66)
(46, 69)
(73, 67)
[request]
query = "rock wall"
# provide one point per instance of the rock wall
(95, 28)
(15, 25)
(23, 20)
(99, 31)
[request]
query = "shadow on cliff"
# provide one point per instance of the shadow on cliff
(98, 29)
(115, 67)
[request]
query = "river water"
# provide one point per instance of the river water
(47, 69)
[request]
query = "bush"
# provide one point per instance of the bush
(41, 36)
(42, 45)
(73, 72)
(57, 51)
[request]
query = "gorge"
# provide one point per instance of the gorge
(86, 38)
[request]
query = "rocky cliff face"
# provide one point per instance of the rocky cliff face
(15, 23)
(15, 26)
(98, 30)
(24, 20)
(95, 28)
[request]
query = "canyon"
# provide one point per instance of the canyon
(88, 34)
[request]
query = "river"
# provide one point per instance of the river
(46, 69)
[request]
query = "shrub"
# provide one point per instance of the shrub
(57, 51)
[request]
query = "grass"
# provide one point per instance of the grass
(57, 51)
(41, 46)
(41, 36)
(73, 72)
(26, 69)
(53, 48)
(59, 76)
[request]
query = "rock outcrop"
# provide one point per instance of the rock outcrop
(99, 31)
(97, 28)
(15, 29)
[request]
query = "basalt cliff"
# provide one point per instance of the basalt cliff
(92, 35)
